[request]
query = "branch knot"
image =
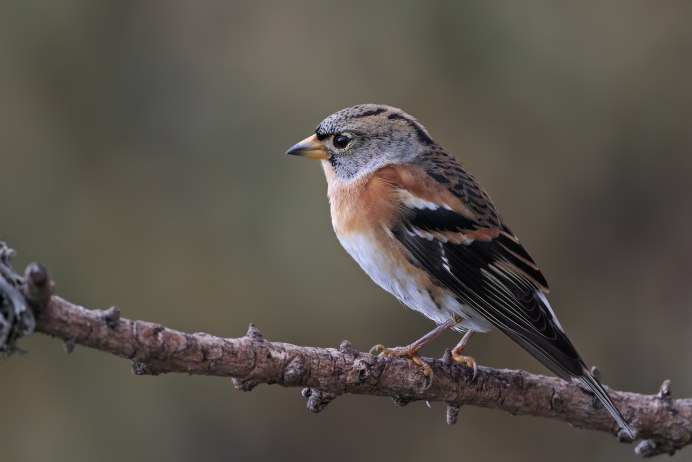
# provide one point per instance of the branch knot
(254, 333)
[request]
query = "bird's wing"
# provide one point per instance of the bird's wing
(450, 228)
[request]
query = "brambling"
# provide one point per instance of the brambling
(419, 224)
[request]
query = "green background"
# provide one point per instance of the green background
(141, 160)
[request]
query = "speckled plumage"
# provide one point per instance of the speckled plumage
(422, 227)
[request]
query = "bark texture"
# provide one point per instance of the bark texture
(662, 424)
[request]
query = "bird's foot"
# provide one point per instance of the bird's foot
(404, 352)
(468, 361)
(411, 351)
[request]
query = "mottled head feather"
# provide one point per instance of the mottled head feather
(380, 135)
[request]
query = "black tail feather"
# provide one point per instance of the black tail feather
(590, 381)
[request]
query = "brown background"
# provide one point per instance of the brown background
(141, 148)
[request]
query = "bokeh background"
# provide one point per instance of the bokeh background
(141, 160)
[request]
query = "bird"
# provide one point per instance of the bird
(424, 229)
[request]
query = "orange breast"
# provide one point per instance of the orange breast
(364, 205)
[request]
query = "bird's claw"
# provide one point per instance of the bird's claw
(379, 348)
(427, 368)
(404, 352)
(469, 362)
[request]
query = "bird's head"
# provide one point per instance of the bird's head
(362, 139)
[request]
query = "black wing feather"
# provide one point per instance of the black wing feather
(480, 274)
(441, 219)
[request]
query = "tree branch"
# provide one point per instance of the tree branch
(663, 424)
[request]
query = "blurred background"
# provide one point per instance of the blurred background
(142, 160)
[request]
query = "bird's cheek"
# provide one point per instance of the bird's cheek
(331, 160)
(328, 168)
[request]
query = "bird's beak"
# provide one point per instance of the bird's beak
(310, 147)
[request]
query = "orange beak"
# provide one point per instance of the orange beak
(310, 147)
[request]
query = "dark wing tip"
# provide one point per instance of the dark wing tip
(590, 381)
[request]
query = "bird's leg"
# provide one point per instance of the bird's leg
(458, 357)
(411, 351)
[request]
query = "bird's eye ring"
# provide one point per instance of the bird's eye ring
(341, 140)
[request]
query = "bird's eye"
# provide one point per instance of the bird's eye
(341, 140)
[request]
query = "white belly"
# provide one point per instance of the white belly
(396, 280)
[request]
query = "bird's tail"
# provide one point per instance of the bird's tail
(590, 381)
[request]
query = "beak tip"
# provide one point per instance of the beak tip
(294, 150)
(310, 147)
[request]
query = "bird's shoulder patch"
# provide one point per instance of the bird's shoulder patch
(424, 188)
